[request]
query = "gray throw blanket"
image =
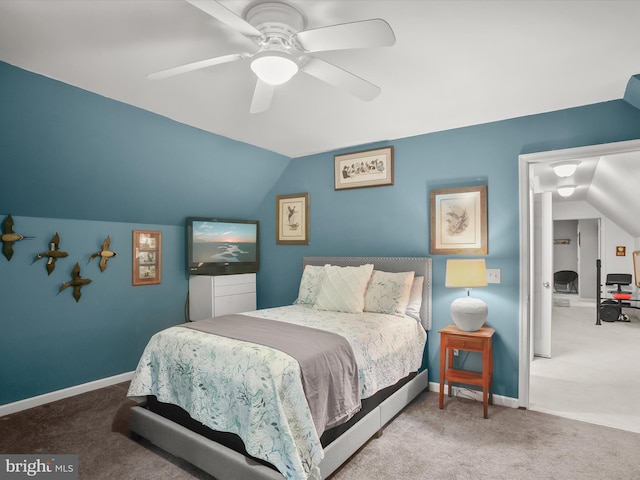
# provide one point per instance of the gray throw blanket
(328, 366)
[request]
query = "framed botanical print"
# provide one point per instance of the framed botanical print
(459, 220)
(292, 219)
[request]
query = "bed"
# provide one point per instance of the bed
(247, 433)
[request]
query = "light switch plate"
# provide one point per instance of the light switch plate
(494, 275)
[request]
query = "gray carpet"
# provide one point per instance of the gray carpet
(423, 442)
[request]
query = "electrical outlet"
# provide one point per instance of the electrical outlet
(494, 275)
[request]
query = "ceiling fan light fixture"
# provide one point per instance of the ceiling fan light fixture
(565, 169)
(274, 68)
(566, 191)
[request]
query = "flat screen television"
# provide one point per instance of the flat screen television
(218, 246)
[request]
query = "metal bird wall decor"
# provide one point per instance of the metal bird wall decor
(77, 282)
(52, 254)
(9, 237)
(104, 254)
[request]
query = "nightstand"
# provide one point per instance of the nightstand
(452, 338)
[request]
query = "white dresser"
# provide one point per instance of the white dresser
(212, 296)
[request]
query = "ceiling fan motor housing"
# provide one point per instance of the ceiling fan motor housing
(278, 22)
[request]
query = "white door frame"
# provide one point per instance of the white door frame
(524, 162)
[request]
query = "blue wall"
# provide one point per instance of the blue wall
(48, 341)
(68, 153)
(85, 166)
(394, 220)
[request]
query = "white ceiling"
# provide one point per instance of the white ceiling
(454, 64)
(607, 182)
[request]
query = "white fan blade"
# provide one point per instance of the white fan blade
(363, 34)
(262, 96)
(189, 67)
(226, 16)
(340, 78)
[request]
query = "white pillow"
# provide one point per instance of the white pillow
(342, 288)
(415, 298)
(388, 292)
(309, 284)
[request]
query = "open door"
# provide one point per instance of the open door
(542, 265)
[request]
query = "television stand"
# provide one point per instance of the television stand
(215, 295)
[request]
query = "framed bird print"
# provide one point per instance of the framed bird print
(459, 220)
(292, 219)
(371, 168)
(147, 257)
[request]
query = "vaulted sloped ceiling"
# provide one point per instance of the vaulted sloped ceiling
(615, 190)
(609, 182)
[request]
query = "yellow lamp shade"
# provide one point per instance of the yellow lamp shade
(468, 273)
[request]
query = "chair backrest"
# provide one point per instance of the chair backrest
(619, 279)
(565, 276)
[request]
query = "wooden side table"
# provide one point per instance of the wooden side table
(451, 337)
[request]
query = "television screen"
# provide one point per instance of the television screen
(222, 246)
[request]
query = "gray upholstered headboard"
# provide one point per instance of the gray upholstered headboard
(420, 265)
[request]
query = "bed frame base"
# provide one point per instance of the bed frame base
(226, 464)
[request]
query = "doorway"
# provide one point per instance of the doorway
(529, 303)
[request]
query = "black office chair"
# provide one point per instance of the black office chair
(566, 278)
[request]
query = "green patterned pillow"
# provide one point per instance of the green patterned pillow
(388, 292)
(309, 284)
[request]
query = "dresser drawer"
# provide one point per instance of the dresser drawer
(237, 289)
(465, 343)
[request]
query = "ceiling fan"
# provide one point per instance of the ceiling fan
(283, 48)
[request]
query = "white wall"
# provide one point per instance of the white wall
(565, 256)
(588, 254)
(611, 236)
(574, 211)
(614, 236)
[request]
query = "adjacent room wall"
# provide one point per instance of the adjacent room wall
(565, 255)
(611, 236)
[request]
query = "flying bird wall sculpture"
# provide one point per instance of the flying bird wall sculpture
(52, 254)
(77, 282)
(104, 254)
(9, 237)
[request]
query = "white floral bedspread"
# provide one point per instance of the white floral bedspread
(255, 391)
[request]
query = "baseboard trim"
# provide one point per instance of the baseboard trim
(125, 377)
(64, 393)
(500, 400)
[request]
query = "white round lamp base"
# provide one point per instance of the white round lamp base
(469, 313)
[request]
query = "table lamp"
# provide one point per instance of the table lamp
(468, 313)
